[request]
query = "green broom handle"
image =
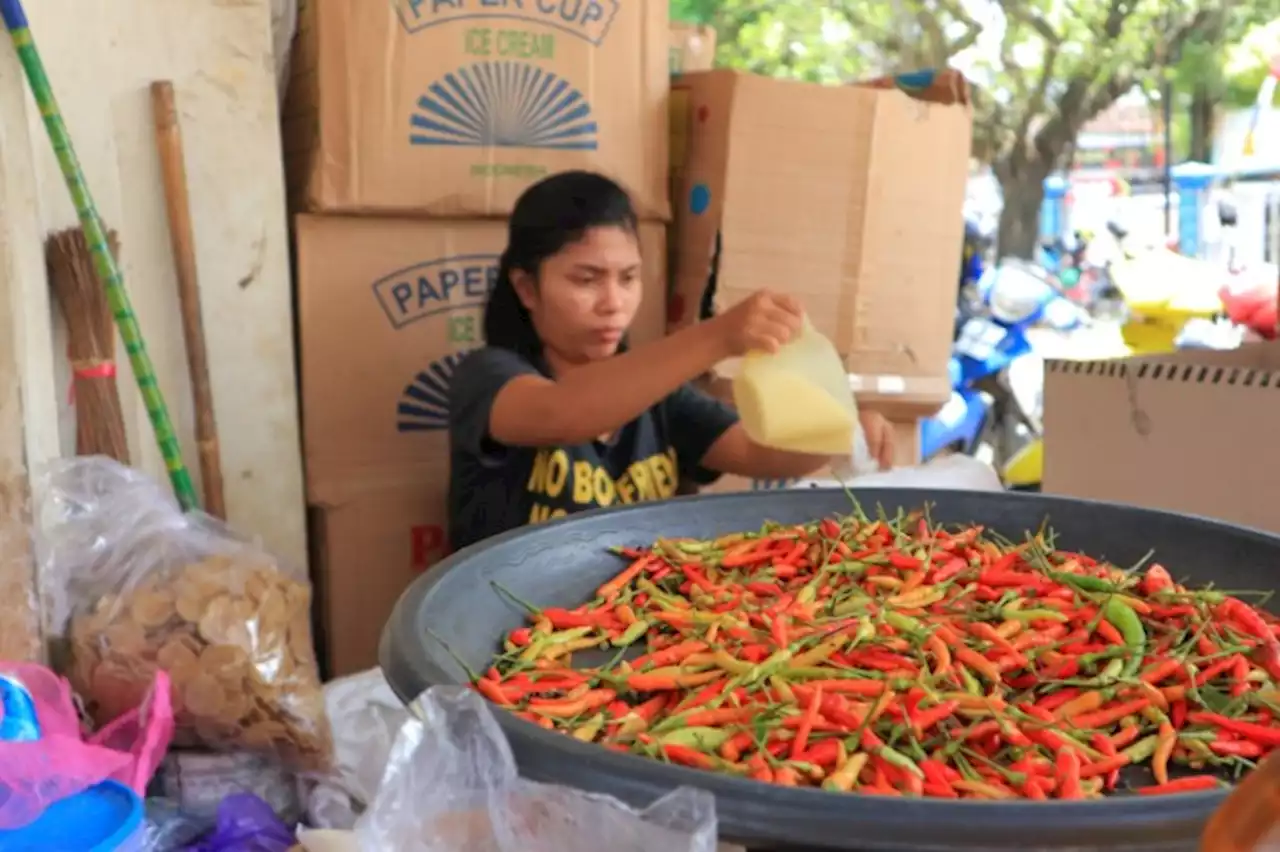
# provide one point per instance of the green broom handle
(104, 262)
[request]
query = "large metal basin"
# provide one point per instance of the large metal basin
(561, 563)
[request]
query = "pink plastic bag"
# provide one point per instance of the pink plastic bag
(43, 756)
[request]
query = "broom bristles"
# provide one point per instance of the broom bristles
(91, 343)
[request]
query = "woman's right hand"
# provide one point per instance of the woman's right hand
(763, 322)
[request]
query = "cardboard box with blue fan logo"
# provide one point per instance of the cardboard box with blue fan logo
(451, 108)
(386, 310)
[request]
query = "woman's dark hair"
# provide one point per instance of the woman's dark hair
(553, 213)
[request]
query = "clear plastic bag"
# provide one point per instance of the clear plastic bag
(136, 585)
(451, 784)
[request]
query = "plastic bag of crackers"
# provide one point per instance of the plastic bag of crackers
(134, 584)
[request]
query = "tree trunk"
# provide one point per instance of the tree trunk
(1019, 228)
(1201, 115)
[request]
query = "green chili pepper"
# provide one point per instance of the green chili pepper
(1012, 612)
(631, 634)
(851, 605)
(1127, 622)
(815, 673)
(1084, 582)
(657, 595)
(865, 633)
(704, 739)
(1197, 736)
(1143, 749)
(769, 667)
(900, 760)
(542, 642)
(971, 684)
(905, 623)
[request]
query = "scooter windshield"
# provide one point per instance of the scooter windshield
(1017, 292)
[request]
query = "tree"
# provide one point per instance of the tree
(1220, 65)
(1059, 65)
(1044, 68)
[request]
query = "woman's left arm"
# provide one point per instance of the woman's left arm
(709, 431)
(734, 452)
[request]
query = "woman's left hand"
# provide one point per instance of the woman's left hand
(879, 435)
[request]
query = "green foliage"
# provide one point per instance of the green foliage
(1247, 63)
(1043, 68)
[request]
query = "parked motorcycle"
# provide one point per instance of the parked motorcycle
(996, 377)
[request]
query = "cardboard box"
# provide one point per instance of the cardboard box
(848, 197)
(386, 308)
(693, 48)
(451, 108)
(366, 552)
(1188, 432)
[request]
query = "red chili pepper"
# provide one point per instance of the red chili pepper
(996, 578)
(1215, 670)
(1155, 580)
(688, 757)
(1248, 618)
(925, 720)
(1005, 562)
(492, 691)
(563, 619)
(1256, 733)
(1238, 748)
(811, 713)
(1106, 766)
(1162, 670)
(1068, 774)
(826, 753)
(1110, 714)
(1189, 784)
(950, 569)
(904, 561)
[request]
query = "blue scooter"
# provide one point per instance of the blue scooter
(984, 410)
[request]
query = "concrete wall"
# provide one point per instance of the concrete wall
(101, 57)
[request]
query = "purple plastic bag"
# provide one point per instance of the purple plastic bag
(246, 824)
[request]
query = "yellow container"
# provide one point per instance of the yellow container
(798, 399)
(1026, 468)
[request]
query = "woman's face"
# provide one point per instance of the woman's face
(586, 295)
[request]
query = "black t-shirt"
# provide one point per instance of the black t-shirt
(494, 488)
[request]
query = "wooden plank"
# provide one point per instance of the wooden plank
(102, 57)
(28, 412)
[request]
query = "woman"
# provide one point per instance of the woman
(555, 415)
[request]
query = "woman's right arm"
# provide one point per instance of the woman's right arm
(601, 397)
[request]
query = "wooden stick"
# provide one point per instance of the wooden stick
(182, 238)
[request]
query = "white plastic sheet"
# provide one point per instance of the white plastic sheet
(451, 784)
(950, 473)
(366, 717)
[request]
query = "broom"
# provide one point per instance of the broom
(91, 344)
(15, 20)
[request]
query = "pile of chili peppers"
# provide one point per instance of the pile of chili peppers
(893, 656)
